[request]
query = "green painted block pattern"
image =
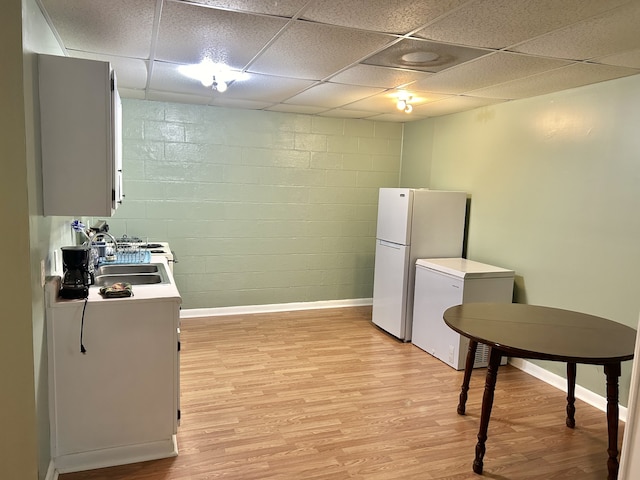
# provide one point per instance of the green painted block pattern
(260, 207)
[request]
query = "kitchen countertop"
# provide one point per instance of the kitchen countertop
(153, 292)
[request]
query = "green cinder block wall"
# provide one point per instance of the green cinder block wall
(260, 207)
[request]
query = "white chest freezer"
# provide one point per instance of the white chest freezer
(444, 282)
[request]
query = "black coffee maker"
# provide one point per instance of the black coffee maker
(76, 278)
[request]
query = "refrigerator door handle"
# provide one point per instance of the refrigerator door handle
(384, 243)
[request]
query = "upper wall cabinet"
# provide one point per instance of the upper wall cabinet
(81, 137)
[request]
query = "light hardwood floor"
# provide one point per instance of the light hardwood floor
(324, 394)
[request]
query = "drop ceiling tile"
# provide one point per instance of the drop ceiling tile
(575, 75)
(444, 56)
(386, 102)
(400, 16)
(454, 105)
(399, 117)
(384, 77)
(190, 33)
(629, 59)
(486, 71)
(333, 95)
(312, 51)
(224, 101)
(501, 23)
(282, 8)
(605, 34)
(165, 77)
(344, 113)
(130, 72)
(288, 108)
(266, 88)
(116, 27)
(132, 93)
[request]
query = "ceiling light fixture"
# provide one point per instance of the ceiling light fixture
(220, 85)
(404, 104)
(210, 74)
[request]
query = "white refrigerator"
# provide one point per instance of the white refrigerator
(412, 224)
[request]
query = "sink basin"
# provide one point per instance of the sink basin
(136, 279)
(135, 274)
(127, 269)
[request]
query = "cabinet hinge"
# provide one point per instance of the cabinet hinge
(113, 84)
(178, 414)
(178, 346)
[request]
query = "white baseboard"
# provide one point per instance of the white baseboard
(560, 383)
(109, 457)
(52, 473)
(277, 307)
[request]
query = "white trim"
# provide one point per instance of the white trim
(277, 307)
(109, 457)
(629, 458)
(52, 473)
(560, 383)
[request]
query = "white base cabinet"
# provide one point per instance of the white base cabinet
(118, 402)
(442, 283)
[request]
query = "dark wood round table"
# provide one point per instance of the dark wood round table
(544, 333)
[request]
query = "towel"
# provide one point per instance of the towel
(117, 290)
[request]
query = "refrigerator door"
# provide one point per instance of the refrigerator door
(395, 206)
(390, 287)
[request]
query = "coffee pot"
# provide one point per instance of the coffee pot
(76, 278)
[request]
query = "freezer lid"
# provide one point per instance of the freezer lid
(463, 268)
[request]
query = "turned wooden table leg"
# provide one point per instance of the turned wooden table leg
(612, 371)
(487, 404)
(468, 368)
(571, 395)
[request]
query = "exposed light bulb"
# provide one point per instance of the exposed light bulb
(408, 108)
(402, 104)
(207, 81)
(219, 86)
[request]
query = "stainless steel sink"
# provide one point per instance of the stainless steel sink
(127, 269)
(139, 279)
(135, 274)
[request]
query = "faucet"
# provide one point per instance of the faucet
(108, 257)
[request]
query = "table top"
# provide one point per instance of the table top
(546, 333)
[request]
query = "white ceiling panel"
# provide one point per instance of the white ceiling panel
(333, 95)
(344, 113)
(281, 8)
(575, 75)
(372, 76)
(310, 51)
(399, 16)
(165, 77)
(266, 88)
(191, 33)
(606, 34)
(501, 23)
(487, 71)
(130, 72)
(454, 105)
(289, 108)
(629, 59)
(117, 27)
(349, 58)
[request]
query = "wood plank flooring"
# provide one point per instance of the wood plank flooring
(324, 394)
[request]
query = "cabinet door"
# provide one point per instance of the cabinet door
(80, 136)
